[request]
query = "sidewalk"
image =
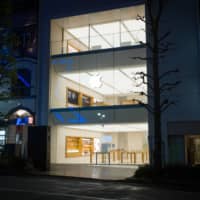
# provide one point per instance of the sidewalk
(101, 172)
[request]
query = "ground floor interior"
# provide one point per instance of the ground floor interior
(110, 144)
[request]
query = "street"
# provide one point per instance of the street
(42, 188)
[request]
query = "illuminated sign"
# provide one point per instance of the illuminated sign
(22, 121)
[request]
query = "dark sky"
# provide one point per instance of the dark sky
(24, 12)
(24, 5)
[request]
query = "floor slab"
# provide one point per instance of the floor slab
(103, 172)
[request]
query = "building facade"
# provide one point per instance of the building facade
(88, 89)
(19, 109)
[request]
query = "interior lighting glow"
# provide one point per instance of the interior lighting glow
(21, 112)
(95, 81)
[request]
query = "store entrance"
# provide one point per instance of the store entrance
(193, 150)
(17, 132)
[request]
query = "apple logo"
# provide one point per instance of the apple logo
(95, 81)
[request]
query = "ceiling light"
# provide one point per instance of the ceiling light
(21, 112)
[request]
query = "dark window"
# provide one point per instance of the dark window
(72, 96)
(86, 101)
(22, 86)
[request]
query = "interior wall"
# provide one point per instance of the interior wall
(62, 132)
(56, 38)
(137, 141)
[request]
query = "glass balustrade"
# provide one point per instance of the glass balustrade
(98, 41)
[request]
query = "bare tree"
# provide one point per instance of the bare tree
(156, 81)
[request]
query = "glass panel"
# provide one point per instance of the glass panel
(81, 34)
(108, 144)
(101, 30)
(105, 87)
(135, 29)
(110, 33)
(98, 40)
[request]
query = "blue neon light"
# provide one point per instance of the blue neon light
(78, 118)
(18, 121)
(21, 121)
(59, 117)
(21, 78)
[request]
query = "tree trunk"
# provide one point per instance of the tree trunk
(157, 155)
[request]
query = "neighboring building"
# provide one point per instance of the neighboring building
(87, 80)
(20, 109)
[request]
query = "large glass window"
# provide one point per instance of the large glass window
(101, 30)
(104, 144)
(97, 85)
(105, 87)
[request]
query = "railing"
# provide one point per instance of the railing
(120, 157)
(99, 41)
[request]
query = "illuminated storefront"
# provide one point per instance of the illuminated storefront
(95, 95)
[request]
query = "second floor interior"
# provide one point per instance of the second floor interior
(98, 77)
(91, 81)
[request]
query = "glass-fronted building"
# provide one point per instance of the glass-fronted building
(94, 93)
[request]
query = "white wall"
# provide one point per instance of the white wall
(56, 38)
(58, 137)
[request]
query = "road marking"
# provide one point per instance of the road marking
(54, 194)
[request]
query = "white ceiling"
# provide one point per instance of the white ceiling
(109, 82)
(109, 35)
(101, 17)
(111, 128)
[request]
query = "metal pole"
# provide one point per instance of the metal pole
(96, 157)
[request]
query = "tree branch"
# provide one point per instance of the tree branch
(144, 75)
(141, 58)
(167, 106)
(164, 36)
(147, 106)
(146, 95)
(141, 77)
(168, 73)
(164, 102)
(168, 86)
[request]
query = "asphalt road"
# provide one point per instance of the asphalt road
(44, 188)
